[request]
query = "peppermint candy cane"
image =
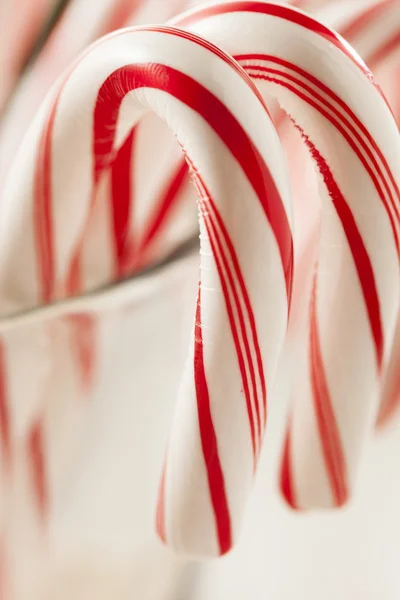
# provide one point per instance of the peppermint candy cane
(372, 29)
(375, 33)
(236, 162)
(352, 136)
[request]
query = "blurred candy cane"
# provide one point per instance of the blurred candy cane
(21, 24)
(82, 22)
(241, 313)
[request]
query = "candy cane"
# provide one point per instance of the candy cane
(375, 32)
(243, 296)
(355, 294)
(371, 29)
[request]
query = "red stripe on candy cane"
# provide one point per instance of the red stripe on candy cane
(209, 441)
(228, 288)
(381, 53)
(42, 213)
(160, 512)
(327, 426)
(286, 477)
(5, 433)
(122, 201)
(215, 227)
(83, 342)
(5, 571)
(36, 452)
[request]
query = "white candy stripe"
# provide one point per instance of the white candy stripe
(214, 111)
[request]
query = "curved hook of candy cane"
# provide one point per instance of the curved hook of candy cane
(353, 138)
(238, 168)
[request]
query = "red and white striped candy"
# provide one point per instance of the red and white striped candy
(372, 28)
(375, 32)
(246, 248)
(353, 138)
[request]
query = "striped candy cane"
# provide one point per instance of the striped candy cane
(375, 33)
(353, 139)
(237, 166)
(372, 29)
